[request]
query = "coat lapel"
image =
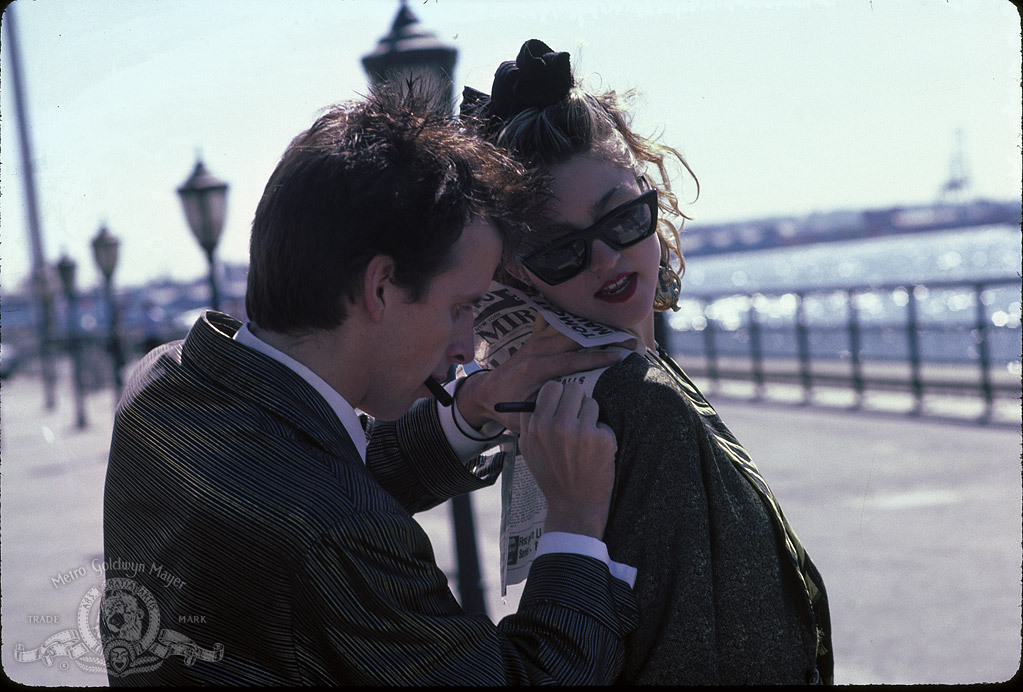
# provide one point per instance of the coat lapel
(210, 348)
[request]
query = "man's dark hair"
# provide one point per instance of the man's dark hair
(390, 174)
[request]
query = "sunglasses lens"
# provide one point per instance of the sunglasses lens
(560, 262)
(631, 226)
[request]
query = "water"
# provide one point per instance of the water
(767, 280)
(918, 258)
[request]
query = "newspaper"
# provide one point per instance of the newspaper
(503, 322)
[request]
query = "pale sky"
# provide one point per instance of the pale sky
(781, 107)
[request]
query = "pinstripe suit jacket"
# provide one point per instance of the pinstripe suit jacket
(240, 515)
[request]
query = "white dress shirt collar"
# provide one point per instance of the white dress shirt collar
(345, 413)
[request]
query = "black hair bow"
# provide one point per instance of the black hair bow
(537, 78)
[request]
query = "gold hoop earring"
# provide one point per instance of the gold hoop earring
(669, 286)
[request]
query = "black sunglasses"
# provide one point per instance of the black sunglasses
(621, 227)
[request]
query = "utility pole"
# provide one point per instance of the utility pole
(41, 282)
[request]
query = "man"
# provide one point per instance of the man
(263, 528)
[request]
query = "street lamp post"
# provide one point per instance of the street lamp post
(43, 290)
(204, 198)
(105, 248)
(66, 270)
(410, 51)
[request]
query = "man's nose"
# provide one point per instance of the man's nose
(463, 346)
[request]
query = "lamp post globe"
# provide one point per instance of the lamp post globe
(66, 270)
(204, 198)
(105, 250)
(410, 51)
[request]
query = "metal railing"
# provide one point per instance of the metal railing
(916, 337)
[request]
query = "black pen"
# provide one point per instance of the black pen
(438, 391)
(515, 407)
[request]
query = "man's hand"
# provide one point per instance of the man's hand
(545, 355)
(571, 457)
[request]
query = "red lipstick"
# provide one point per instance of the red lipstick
(619, 289)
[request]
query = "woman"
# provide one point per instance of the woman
(727, 593)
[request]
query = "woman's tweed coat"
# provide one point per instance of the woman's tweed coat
(727, 594)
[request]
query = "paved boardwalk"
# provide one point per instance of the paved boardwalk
(914, 523)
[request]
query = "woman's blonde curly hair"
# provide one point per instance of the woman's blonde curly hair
(600, 126)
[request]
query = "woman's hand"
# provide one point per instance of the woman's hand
(545, 355)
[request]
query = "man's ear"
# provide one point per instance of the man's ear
(377, 287)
